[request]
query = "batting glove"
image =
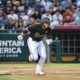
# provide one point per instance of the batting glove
(20, 37)
(49, 41)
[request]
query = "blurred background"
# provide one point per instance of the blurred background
(64, 16)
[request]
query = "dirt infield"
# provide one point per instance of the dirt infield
(52, 72)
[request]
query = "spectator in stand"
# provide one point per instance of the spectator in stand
(8, 3)
(19, 24)
(51, 10)
(56, 4)
(66, 3)
(14, 9)
(60, 9)
(32, 21)
(31, 10)
(25, 18)
(1, 4)
(3, 19)
(23, 4)
(1, 14)
(19, 8)
(77, 17)
(68, 17)
(17, 4)
(47, 4)
(78, 2)
(42, 10)
(48, 15)
(13, 2)
(13, 16)
(74, 8)
(57, 18)
(8, 7)
(10, 25)
(74, 1)
(7, 10)
(36, 15)
(37, 5)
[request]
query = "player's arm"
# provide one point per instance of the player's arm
(30, 29)
(23, 33)
(49, 39)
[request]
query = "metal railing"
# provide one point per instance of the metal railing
(12, 31)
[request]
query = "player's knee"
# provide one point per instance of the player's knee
(43, 57)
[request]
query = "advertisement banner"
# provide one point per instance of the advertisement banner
(13, 49)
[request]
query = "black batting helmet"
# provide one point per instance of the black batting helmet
(45, 20)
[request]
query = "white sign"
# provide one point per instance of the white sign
(11, 47)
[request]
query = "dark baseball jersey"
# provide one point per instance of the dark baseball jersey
(37, 32)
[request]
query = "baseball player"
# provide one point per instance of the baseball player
(35, 42)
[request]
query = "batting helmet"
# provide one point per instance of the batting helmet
(45, 20)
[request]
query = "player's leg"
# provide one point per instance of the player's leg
(32, 45)
(42, 54)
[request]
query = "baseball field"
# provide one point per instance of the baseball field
(24, 71)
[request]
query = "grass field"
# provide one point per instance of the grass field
(53, 72)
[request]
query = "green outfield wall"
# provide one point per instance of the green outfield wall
(11, 49)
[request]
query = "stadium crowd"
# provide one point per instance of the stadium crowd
(18, 14)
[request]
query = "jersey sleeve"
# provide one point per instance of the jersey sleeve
(49, 33)
(28, 29)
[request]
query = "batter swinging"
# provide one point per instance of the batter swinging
(35, 43)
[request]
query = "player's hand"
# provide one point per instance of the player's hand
(49, 41)
(20, 37)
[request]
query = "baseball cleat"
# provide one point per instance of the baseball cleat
(39, 73)
(30, 58)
